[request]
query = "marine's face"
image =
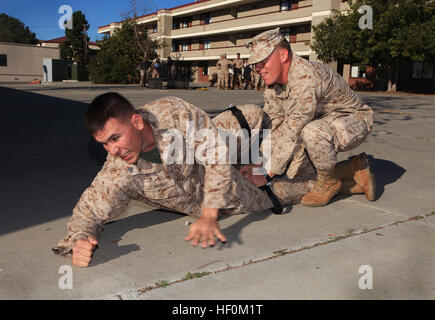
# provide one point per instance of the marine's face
(271, 68)
(125, 139)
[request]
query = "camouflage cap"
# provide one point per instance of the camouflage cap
(263, 45)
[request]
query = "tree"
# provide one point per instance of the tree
(136, 9)
(13, 30)
(119, 55)
(402, 30)
(75, 45)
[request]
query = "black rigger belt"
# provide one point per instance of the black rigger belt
(277, 209)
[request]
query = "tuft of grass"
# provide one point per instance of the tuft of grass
(195, 275)
(161, 284)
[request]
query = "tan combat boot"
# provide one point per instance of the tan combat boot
(358, 170)
(326, 187)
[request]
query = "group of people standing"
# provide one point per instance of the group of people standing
(237, 74)
(149, 69)
(152, 69)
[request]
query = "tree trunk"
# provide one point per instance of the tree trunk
(393, 77)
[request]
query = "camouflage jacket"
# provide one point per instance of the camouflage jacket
(313, 91)
(179, 187)
(238, 64)
(224, 65)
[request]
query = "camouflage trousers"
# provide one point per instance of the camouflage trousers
(247, 197)
(325, 137)
(223, 79)
(237, 78)
(257, 81)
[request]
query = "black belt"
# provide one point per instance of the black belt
(277, 209)
(244, 125)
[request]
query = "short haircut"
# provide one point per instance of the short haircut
(106, 106)
(284, 44)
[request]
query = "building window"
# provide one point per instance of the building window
(285, 5)
(290, 34)
(175, 47)
(175, 24)
(356, 71)
(154, 27)
(185, 46)
(421, 70)
(186, 23)
(3, 60)
(206, 44)
(204, 66)
(286, 33)
(305, 28)
(205, 18)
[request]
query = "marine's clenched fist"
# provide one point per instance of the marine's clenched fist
(83, 250)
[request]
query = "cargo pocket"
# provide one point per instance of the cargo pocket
(349, 132)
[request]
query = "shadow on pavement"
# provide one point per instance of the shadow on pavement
(109, 248)
(233, 232)
(385, 172)
(47, 158)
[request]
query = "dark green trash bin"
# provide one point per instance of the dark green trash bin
(79, 72)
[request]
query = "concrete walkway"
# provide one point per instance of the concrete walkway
(350, 249)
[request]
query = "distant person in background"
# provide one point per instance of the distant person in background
(219, 72)
(225, 71)
(257, 80)
(247, 74)
(143, 66)
(156, 68)
(237, 67)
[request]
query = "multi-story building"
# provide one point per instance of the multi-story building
(199, 32)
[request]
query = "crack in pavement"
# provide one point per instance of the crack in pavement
(282, 252)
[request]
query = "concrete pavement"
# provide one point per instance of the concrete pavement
(308, 253)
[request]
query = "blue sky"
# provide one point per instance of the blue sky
(42, 16)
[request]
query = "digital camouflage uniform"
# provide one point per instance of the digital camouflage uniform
(219, 74)
(316, 110)
(257, 80)
(238, 66)
(180, 187)
(224, 65)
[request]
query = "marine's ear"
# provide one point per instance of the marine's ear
(283, 55)
(137, 121)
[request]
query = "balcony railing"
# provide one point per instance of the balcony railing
(213, 53)
(247, 21)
